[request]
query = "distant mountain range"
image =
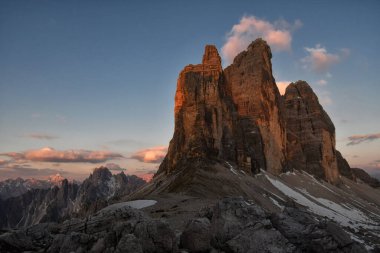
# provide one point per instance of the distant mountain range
(16, 187)
(28, 202)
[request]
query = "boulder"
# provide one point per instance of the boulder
(197, 235)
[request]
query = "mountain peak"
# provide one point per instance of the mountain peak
(259, 42)
(211, 56)
(56, 179)
(101, 173)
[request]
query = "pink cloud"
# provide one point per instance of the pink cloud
(277, 34)
(319, 60)
(68, 156)
(357, 139)
(150, 155)
(281, 85)
(41, 136)
(3, 162)
(322, 82)
(147, 177)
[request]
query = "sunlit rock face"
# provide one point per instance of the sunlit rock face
(203, 113)
(310, 133)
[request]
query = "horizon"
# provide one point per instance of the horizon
(87, 85)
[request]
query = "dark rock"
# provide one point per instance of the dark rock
(260, 239)
(310, 133)
(197, 235)
(72, 242)
(344, 167)
(309, 235)
(16, 241)
(156, 236)
(260, 114)
(129, 244)
(365, 177)
(231, 216)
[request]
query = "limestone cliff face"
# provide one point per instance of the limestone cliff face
(202, 113)
(260, 109)
(310, 133)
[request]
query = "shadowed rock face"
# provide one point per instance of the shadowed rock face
(310, 133)
(259, 107)
(365, 177)
(344, 167)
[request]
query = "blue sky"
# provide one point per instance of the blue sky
(100, 76)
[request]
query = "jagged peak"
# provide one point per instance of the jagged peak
(299, 87)
(101, 172)
(256, 42)
(211, 56)
(258, 49)
(259, 43)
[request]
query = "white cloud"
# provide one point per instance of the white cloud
(277, 34)
(281, 85)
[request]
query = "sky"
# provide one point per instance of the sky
(91, 83)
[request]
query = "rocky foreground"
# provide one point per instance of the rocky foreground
(231, 225)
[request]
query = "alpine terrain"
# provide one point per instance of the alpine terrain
(247, 170)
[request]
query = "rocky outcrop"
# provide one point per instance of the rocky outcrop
(101, 186)
(363, 176)
(310, 133)
(343, 166)
(232, 225)
(308, 235)
(254, 92)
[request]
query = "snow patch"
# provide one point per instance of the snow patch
(345, 216)
(288, 173)
(276, 203)
(232, 168)
(138, 204)
(111, 184)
